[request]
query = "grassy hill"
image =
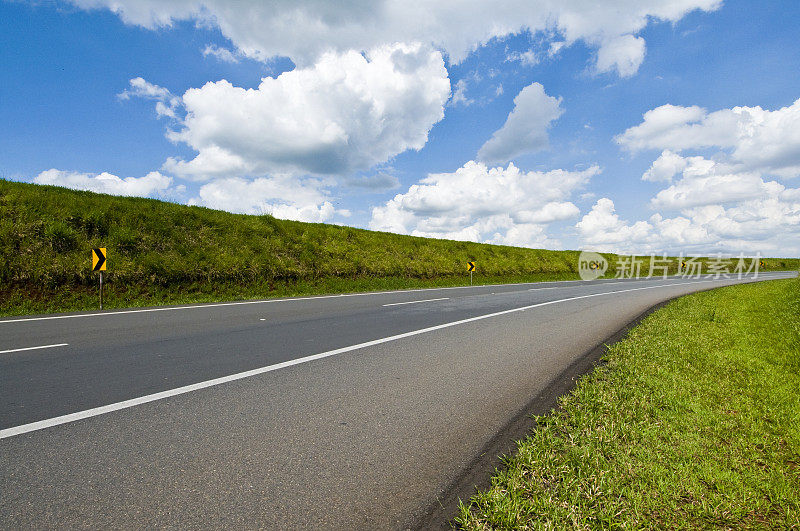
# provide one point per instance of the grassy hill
(164, 253)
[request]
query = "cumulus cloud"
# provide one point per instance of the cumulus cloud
(767, 224)
(665, 167)
(753, 138)
(302, 199)
(712, 210)
(221, 54)
(526, 127)
(731, 201)
(263, 30)
(166, 102)
(721, 204)
(152, 184)
(703, 182)
(623, 54)
(346, 113)
(478, 203)
(603, 229)
(285, 198)
(713, 189)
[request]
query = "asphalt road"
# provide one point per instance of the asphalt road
(353, 411)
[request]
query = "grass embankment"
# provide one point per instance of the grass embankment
(694, 421)
(164, 253)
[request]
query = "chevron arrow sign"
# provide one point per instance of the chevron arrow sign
(99, 259)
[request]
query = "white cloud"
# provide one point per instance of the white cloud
(345, 113)
(733, 214)
(477, 203)
(665, 167)
(678, 128)
(528, 58)
(555, 47)
(603, 229)
(142, 89)
(525, 129)
(727, 202)
(713, 189)
(153, 184)
(703, 182)
(380, 182)
(282, 197)
(753, 138)
(266, 29)
(460, 95)
(302, 199)
(166, 102)
(221, 54)
(623, 54)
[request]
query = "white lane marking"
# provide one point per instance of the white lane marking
(80, 415)
(608, 282)
(291, 299)
(263, 301)
(415, 302)
(33, 348)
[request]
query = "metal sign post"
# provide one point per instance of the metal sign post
(99, 264)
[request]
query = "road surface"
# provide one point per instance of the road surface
(355, 411)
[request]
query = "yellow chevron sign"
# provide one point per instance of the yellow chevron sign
(470, 266)
(99, 259)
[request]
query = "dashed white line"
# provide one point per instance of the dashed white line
(72, 417)
(291, 299)
(33, 348)
(415, 302)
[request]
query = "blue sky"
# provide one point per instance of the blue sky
(638, 126)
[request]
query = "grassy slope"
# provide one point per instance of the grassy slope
(161, 253)
(693, 422)
(166, 253)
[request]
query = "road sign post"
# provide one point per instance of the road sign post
(470, 268)
(99, 264)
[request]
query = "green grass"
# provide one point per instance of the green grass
(693, 422)
(164, 253)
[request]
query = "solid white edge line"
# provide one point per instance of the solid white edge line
(263, 301)
(72, 417)
(33, 348)
(415, 302)
(604, 281)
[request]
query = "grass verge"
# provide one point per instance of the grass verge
(163, 253)
(693, 422)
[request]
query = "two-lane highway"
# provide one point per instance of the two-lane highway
(341, 411)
